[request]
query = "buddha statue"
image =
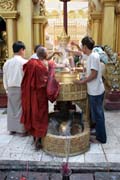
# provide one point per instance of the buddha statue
(65, 68)
(48, 43)
(3, 48)
(63, 60)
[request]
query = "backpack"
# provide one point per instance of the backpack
(103, 55)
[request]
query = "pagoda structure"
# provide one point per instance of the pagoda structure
(28, 25)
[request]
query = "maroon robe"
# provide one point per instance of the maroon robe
(34, 98)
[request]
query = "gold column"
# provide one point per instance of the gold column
(36, 34)
(39, 23)
(24, 24)
(89, 27)
(11, 34)
(117, 40)
(10, 17)
(108, 31)
(96, 18)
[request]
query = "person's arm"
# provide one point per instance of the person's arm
(75, 44)
(92, 76)
(5, 80)
(77, 53)
(53, 54)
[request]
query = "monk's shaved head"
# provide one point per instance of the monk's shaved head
(41, 53)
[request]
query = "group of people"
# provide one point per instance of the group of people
(25, 82)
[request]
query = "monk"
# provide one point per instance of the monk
(34, 97)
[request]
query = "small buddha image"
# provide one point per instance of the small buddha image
(48, 43)
(3, 47)
(4, 50)
(63, 60)
(1, 41)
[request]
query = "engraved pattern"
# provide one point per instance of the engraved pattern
(42, 8)
(92, 6)
(8, 5)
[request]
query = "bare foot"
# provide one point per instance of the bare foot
(94, 140)
(38, 144)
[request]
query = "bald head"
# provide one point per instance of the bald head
(41, 53)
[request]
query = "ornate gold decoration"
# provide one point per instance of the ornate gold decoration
(10, 14)
(42, 8)
(40, 20)
(65, 0)
(70, 91)
(108, 3)
(63, 37)
(7, 5)
(92, 6)
(96, 15)
(117, 8)
(3, 48)
(35, 1)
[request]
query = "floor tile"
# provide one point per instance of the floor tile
(95, 148)
(94, 158)
(76, 159)
(31, 157)
(113, 157)
(47, 158)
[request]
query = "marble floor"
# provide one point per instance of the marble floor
(21, 148)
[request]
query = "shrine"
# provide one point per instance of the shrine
(65, 152)
(69, 130)
(27, 21)
(14, 19)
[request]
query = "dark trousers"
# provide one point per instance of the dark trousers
(97, 115)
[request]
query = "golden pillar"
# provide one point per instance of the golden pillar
(24, 24)
(117, 40)
(9, 13)
(108, 31)
(39, 24)
(96, 18)
(11, 36)
(11, 18)
(11, 30)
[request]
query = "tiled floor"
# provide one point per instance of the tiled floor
(21, 148)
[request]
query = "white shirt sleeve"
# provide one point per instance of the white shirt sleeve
(5, 84)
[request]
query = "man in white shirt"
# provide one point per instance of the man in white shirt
(95, 88)
(34, 55)
(12, 78)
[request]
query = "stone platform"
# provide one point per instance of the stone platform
(17, 153)
(56, 176)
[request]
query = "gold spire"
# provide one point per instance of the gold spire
(63, 37)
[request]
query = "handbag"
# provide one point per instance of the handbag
(53, 87)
